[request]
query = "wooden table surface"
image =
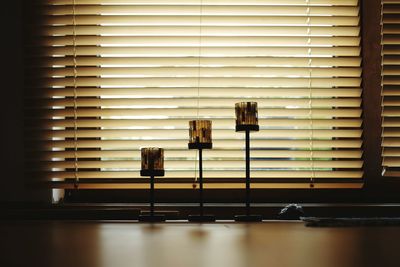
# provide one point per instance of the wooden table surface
(119, 244)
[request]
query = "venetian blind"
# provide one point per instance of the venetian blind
(105, 78)
(390, 33)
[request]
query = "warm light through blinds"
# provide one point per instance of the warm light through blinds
(106, 78)
(391, 87)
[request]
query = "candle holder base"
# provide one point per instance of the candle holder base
(201, 218)
(247, 127)
(152, 173)
(199, 145)
(152, 218)
(248, 218)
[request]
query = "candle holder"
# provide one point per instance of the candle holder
(200, 138)
(247, 121)
(152, 165)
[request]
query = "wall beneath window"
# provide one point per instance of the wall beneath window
(12, 185)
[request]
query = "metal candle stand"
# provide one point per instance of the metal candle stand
(152, 165)
(200, 138)
(247, 121)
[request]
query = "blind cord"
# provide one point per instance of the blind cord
(198, 82)
(76, 176)
(199, 57)
(310, 96)
(382, 96)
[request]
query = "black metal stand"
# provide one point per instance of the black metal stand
(151, 217)
(201, 217)
(248, 217)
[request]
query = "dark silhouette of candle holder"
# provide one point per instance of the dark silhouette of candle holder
(247, 121)
(152, 165)
(200, 138)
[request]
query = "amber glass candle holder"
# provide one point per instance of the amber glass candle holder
(247, 121)
(246, 116)
(200, 138)
(152, 165)
(200, 134)
(152, 161)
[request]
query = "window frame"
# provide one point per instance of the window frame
(376, 188)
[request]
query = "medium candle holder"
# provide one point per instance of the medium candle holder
(152, 165)
(200, 138)
(247, 121)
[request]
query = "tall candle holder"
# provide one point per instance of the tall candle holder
(152, 165)
(200, 138)
(247, 121)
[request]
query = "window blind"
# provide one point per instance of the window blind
(105, 78)
(390, 34)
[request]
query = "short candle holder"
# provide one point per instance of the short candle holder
(247, 121)
(152, 165)
(200, 138)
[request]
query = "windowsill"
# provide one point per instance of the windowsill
(29, 211)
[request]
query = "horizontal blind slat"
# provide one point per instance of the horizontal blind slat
(183, 19)
(205, 2)
(177, 10)
(187, 92)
